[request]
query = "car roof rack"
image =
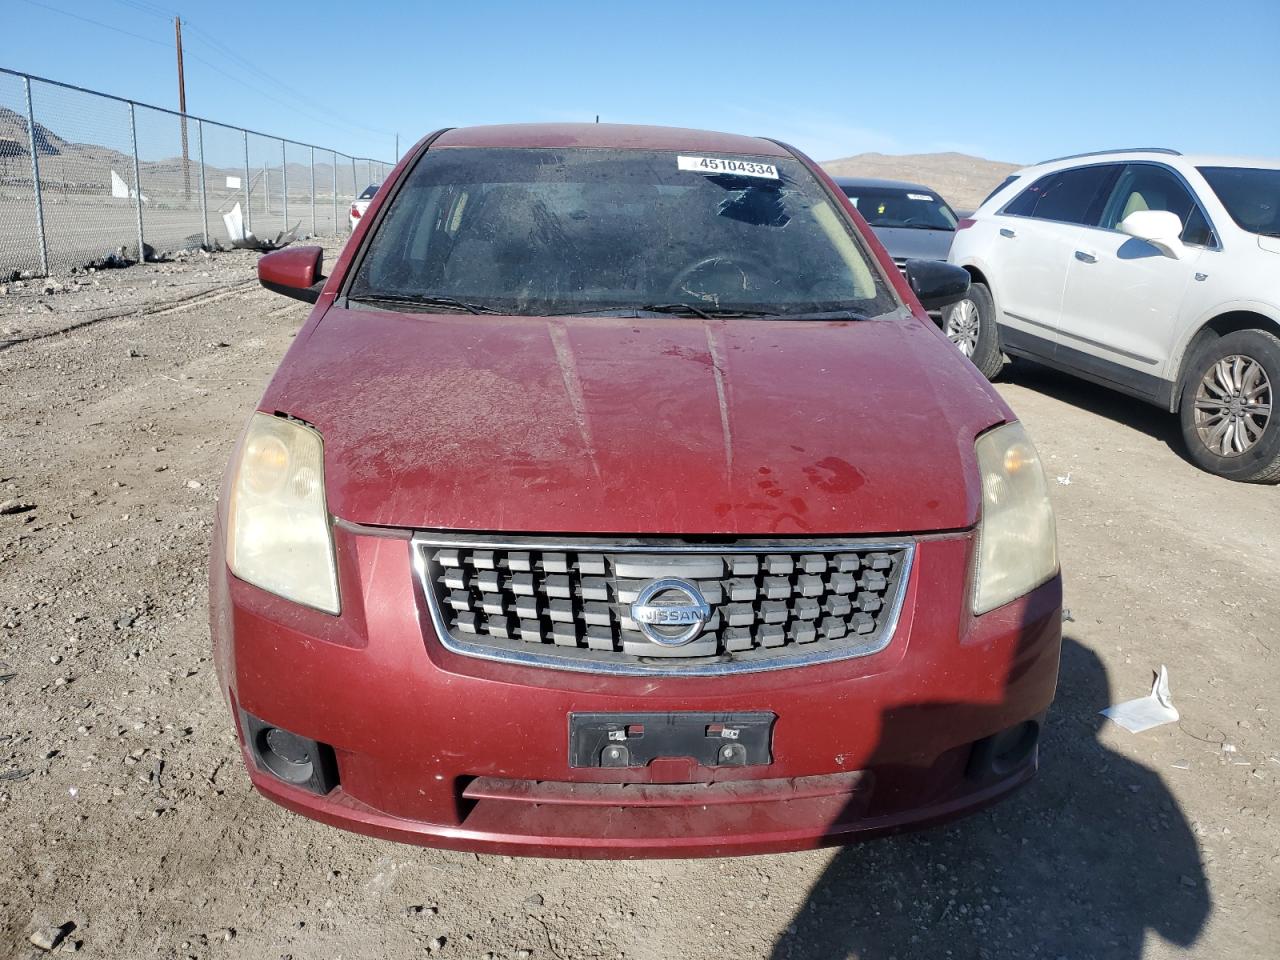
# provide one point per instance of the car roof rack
(1102, 153)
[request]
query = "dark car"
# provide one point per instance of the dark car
(573, 523)
(912, 221)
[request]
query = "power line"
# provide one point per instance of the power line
(222, 49)
(227, 51)
(96, 23)
(150, 8)
(257, 89)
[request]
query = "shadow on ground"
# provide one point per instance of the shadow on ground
(1128, 411)
(1081, 864)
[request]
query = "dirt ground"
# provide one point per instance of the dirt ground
(124, 808)
(82, 229)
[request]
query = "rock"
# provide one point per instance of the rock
(523, 954)
(534, 901)
(15, 506)
(47, 938)
(436, 943)
(194, 484)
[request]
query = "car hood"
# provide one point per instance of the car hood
(654, 426)
(904, 243)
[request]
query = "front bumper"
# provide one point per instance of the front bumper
(450, 751)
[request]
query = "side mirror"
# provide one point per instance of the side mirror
(937, 284)
(295, 271)
(1160, 228)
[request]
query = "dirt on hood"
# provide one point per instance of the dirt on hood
(657, 426)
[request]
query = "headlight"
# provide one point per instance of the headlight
(278, 530)
(1017, 545)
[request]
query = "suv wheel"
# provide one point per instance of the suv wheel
(971, 325)
(1226, 407)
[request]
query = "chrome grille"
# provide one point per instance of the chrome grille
(567, 603)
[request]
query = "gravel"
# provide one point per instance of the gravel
(124, 802)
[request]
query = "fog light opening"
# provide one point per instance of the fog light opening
(286, 755)
(1014, 747)
(294, 759)
(1003, 753)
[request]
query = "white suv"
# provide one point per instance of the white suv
(1147, 271)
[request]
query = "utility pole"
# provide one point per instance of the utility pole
(182, 109)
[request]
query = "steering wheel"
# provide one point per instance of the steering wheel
(680, 283)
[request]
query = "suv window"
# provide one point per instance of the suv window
(1003, 183)
(1067, 196)
(1147, 186)
(1197, 231)
(1250, 194)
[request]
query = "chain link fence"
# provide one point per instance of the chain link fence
(85, 175)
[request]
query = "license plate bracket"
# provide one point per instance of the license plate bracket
(636, 739)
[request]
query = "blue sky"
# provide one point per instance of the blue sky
(1004, 80)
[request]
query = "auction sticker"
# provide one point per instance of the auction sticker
(742, 168)
(919, 196)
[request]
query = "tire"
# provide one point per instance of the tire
(1226, 407)
(971, 325)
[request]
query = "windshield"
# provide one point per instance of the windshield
(1251, 196)
(895, 207)
(560, 231)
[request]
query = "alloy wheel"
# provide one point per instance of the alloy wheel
(962, 326)
(1233, 405)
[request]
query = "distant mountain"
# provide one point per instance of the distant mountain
(964, 181)
(14, 141)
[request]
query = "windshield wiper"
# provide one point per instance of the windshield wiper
(717, 313)
(825, 315)
(708, 312)
(705, 311)
(422, 300)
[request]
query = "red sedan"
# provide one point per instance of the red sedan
(619, 498)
